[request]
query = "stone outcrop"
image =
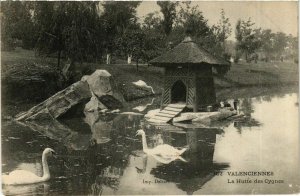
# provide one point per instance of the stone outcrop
(59, 103)
(97, 90)
(132, 92)
(205, 117)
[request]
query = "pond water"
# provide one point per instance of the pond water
(102, 154)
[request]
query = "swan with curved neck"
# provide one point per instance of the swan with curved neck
(19, 177)
(163, 153)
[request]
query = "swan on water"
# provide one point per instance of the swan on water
(163, 153)
(19, 177)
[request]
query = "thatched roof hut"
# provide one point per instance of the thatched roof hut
(188, 75)
(185, 53)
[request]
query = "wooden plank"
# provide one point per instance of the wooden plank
(168, 112)
(181, 106)
(172, 109)
(156, 121)
(165, 115)
(161, 118)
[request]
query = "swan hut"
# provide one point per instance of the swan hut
(188, 77)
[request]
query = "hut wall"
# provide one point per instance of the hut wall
(184, 74)
(205, 90)
(198, 81)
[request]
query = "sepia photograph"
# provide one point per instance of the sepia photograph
(149, 98)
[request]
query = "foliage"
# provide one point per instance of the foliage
(17, 25)
(84, 31)
(275, 46)
(71, 29)
(191, 22)
(267, 40)
(222, 30)
(132, 42)
(280, 42)
(117, 17)
(152, 21)
(168, 9)
(247, 41)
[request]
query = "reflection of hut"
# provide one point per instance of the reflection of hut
(190, 176)
(201, 143)
(188, 75)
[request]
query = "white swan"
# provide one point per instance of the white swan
(143, 84)
(163, 153)
(19, 177)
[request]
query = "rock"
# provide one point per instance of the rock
(102, 84)
(99, 83)
(133, 92)
(110, 102)
(98, 90)
(184, 117)
(94, 105)
(41, 115)
(59, 103)
(104, 89)
(207, 117)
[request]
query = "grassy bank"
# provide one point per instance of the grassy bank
(262, 74)
(28, 79)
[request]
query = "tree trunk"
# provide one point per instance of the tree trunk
(129, 58)
(247, 57)
(58, 59)
(108, 58)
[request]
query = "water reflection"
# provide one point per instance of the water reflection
(101, 154)
(192, 175)
(34, 189)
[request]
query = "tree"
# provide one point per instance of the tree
(267, 42)
(117, 17)
(280, 42)
(155, 38)
(68, 28)
(193, 21)
(17, 25)
(222, 30)
(291, 50)
(152, 21)
(168, 9)
(133, 43)
(247, 41)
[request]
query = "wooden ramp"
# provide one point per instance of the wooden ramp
(168, 113)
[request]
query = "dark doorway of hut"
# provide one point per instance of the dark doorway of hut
(178, 92)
